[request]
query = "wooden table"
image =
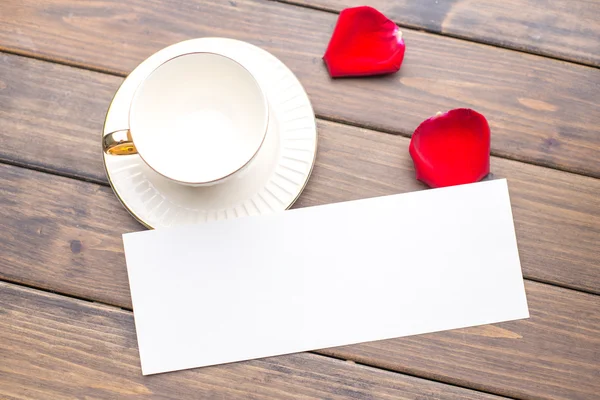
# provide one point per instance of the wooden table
(532, 67)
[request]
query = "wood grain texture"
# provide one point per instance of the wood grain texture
(566, 29)
(53, 112)
(491, 356)
(542, 111)
(68, 240)
(56, 348)
(50, 121)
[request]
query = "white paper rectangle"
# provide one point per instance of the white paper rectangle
(325, 276)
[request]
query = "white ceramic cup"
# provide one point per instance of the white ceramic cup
(197, 119)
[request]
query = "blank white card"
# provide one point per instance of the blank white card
(325, 276)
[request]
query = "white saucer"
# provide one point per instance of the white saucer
(272, 182)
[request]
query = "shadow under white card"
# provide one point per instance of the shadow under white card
(325, 276)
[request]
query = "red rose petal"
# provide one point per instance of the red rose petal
(364, 42)
(451, 148)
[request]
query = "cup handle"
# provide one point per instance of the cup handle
(118, 143)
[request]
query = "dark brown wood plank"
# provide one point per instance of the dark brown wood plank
(556, 213)
(542, 111)
(566, 29)
(55, 347)
(68, 239)
(53, 112)
(562, 324)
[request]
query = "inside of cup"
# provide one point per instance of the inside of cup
(198, 118)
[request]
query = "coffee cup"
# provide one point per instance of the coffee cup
(197, 119)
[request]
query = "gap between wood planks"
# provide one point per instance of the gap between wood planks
(87, 67)
(315, 352)
(65, 62)
(445, 34)
(413, 375)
